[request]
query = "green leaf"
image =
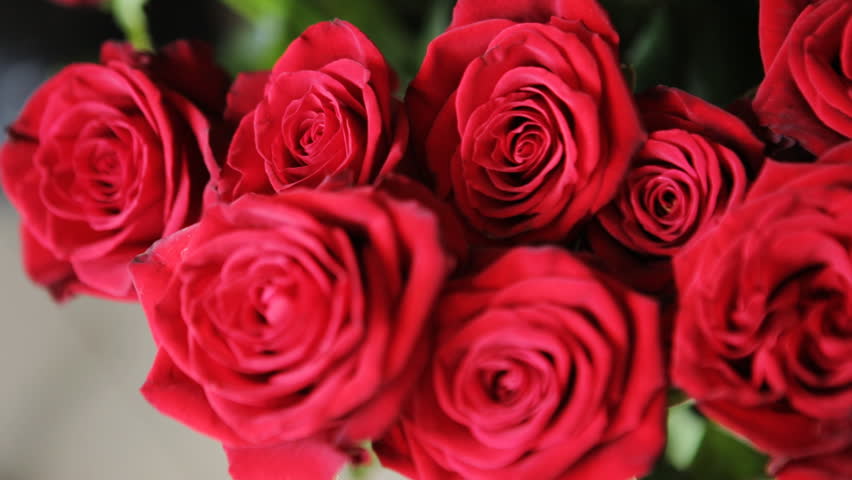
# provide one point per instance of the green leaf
(686, 431)
(257, 10)
(723, 455)
(651, 53)
(437, 20)
(675, 396)
(130, 16)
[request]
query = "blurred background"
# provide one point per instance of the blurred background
(69, 402)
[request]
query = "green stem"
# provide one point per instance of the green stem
(256, 10)
(130, 16)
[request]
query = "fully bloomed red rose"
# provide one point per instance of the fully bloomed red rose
(104, 160)
(695, 166)
(763, 335)
(807, 53)
(522, 116)
(326, 109)
(544, 369)
(291, 327)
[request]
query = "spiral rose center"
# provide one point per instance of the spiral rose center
(313, 129)
(526, 140)
(665, 203)
(503, 385)
(273, 302)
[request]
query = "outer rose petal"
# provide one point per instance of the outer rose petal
(171, 392)
(326, 42)
(45, 269)
(666, 107)
(243, 173)
(245, 94)
(776, 18)
(593, 16)
(293, 461)
(447, 57)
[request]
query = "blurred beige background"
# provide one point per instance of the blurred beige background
(69, 379)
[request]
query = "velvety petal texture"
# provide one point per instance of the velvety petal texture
(104, 160)
(522, 116)
(763, 339)
(776, 18)
(326, 109)
(544, 369)
(837, 466)
(695, 166)
(287, 322)
(807, 92)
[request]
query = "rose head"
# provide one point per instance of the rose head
(694, 167)
(292, 323)
(763, 336)
(523, 117)
(103, 161)
(807, 53)
(544, 369)
(326, 109)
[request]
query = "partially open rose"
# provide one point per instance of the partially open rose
(326, 109)
(523, 117)
(695, 166)
(544, 369)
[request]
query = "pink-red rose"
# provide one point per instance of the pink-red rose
(807, 53)
(523, 117)
(292, 325)
(695, 166)
(104, 160)
(326, 109)
(763, 338)
(544, 369)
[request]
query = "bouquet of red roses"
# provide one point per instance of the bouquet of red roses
(523, 270)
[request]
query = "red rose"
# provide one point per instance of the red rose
(288, 326)
(522, 115)
(103, 161)
(805, 94)
(694, 167)
(763, 336)
(544, 369)
(326, 109)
